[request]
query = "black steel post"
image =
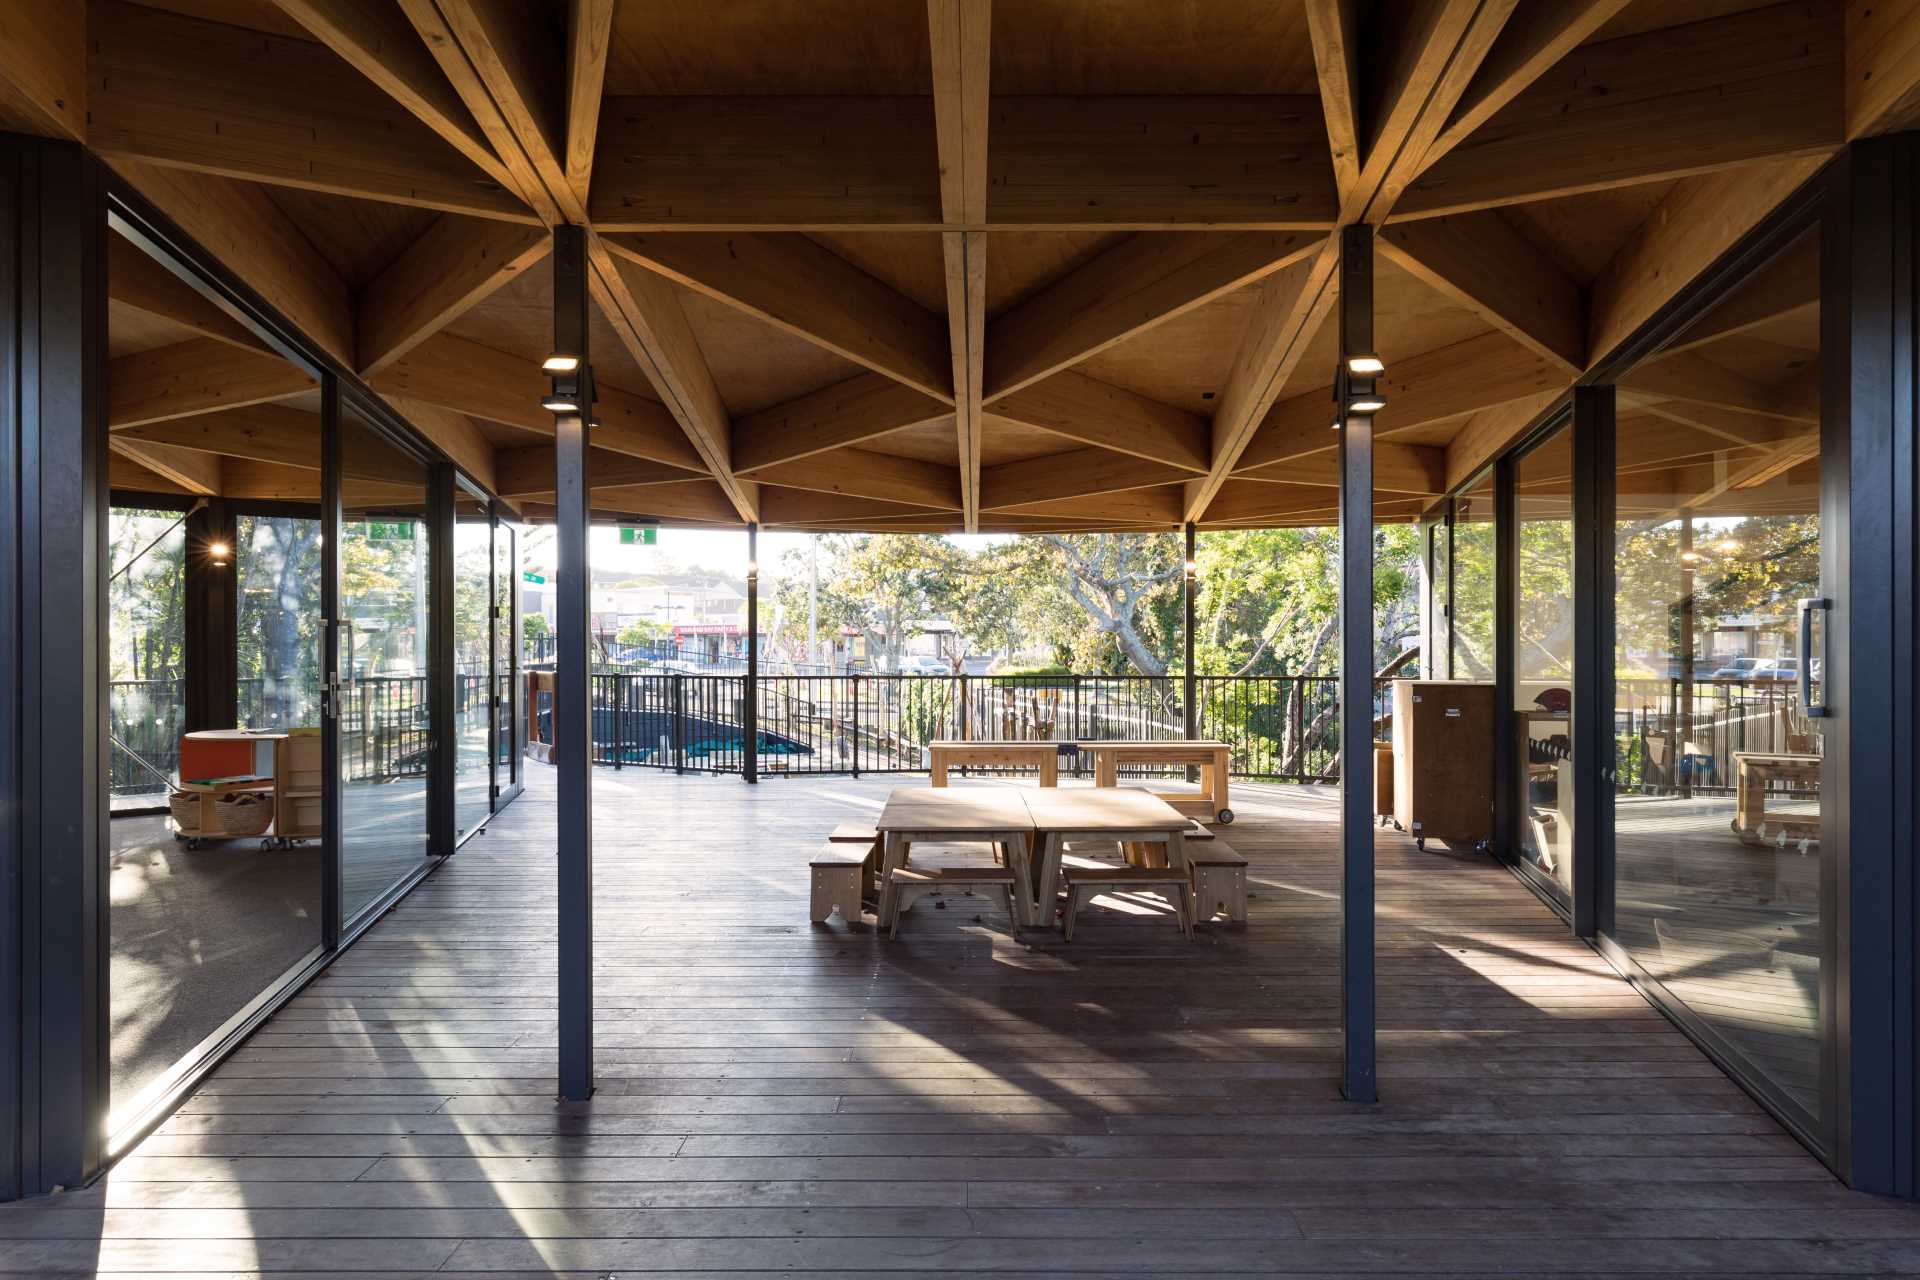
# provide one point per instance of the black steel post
(209, 631)
(1356, 673)
(53, 674)
(1189, 578)
(573, 668)
(1593, 702)
(332, 663)
(750, 702)
(442, 741)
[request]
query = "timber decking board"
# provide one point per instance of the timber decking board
(779, 1098)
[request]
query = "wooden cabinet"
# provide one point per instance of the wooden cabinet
(297, 786)
(1443, 759)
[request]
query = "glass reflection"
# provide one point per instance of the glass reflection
(472, 673)
(1542, 719)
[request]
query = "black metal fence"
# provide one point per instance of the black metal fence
(1668, 737)
(1279, 727)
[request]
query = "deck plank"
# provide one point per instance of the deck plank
(780, 1098)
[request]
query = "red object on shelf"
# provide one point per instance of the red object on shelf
(215, 758)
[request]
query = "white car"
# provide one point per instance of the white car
(915, 664)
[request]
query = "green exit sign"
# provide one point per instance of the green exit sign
(632, 537)
(529, 576)
(390, 531)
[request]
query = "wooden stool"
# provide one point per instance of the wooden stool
(909, 883)
(855, 832)
(1170, 883)
(838, 874)
(1219, 882)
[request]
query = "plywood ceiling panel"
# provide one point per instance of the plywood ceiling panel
(1582, 233)
(1184, 362)
(1151, 46)
(908, 262)
(130, 331)
(361, 238)
(1657, 15)
(1021, 263)
(754, 364)
(931, 442)
(770, 46)
(1409, 317)
(256, 15)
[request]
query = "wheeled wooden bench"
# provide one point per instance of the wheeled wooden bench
(1219, 881)
(909, 883)
(839, 880)
(1083, 882)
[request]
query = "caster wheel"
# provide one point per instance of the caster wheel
(1420, 843)
(1225, 816)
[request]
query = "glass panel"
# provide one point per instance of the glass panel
(146, 600)
(217, 896)
(506, 572)
(1439, 611)
(385, 730)
(279, 640)
(1717, 820)
(472, 662)
(1472, 629)
(1542, 720)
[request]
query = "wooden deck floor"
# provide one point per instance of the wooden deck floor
(778, 1098)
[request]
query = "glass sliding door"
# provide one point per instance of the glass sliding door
(473, 681)
(1540, 720)
(1722, 846)
(384, 638)
(1472, 582)
(279, 616)
(146, 651)
(1436, 661)
(506, 659)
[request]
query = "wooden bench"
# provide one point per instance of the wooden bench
(909, 883)
(839, 879)
(1219, 881)
(1083, 882)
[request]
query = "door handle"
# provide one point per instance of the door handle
(1814, 710)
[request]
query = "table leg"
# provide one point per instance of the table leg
(895, 856)
(1217, 784)
(1177, 850)
(1105, 772)
(1020, 864)
(1050, 769)
(939, 767)
(1047, 879)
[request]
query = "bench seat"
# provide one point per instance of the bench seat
(838, 878)
(1084, 881)
(1219, 874)
(909, 883)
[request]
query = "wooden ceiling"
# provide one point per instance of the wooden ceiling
(1055, 264)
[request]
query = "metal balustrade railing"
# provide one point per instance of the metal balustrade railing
(1671, 738)
(1279, 727)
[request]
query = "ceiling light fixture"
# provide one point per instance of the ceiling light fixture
(557, 363)
(1366, 404)
(1366, 364)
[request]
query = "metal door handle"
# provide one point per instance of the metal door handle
(1814, 710)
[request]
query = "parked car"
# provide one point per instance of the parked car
(1760, 669)
(918, 664)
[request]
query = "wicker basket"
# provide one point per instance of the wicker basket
(240, 815)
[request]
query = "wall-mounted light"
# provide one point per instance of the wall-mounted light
(557, 403)
(1368, 365)
(1366, 404)
(753, 569)
(1691, 556)
(558, 363)
(1193, 568)
(217, 553)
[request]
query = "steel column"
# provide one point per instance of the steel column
(1356, 677)
(1592, 729)
(573, 674)
(442, 823)
(209, 632)
(750, 699)
(53, 673)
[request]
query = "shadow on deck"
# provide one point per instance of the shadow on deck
(780, 1097)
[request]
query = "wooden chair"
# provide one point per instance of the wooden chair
(910, 883)
(839, 878)
(1083, 882)
(1219, 881)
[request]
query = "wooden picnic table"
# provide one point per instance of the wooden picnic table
(1032, 825)
(1213, 758)
(1044, 756)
